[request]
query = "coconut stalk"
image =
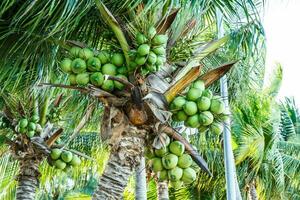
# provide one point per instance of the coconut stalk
(116, 28)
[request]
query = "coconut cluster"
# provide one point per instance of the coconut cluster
(172, 163)
(29, 126)
(150, 53)
(84, 67)
(63, 159)
(199, 108)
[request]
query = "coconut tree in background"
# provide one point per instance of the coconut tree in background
(46, 33)
(262, 154)
(30, 137)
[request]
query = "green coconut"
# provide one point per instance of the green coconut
(207, 93)
(206, 118)
(140, 60)
(176, 184)
(109, 69)
(97, 79)
(108, 85)
(160, 60)
(132, 65)
(122, 70)
(152, 58)
(185, 161)
(82, 79)
(151, 32)
(163, 175)
(143, 50)
(22, 130)
(72, 79)
(65, 65)
(55, 153)
(181, 116)
(216, 128)
(35, 118)
(23, 123)
(161, 152)
(30, 134)
(157, 164)
(119, 85)
(176, 148)
(74, 51)
(149, 153)
(66, 156)
(85, 53)
(193, 94)
(179, 102)
(199, 84)
(193, 121)
(169, 161)
(188, 176)
(31, 126)
(60, 164)
(104, 57)
(75, 161)
(190, 108)
(94, 64)
(217, 106)
(150, 68)
(140, 38)
(175, 174)
(159, 50)
(78, 66)
(118, 59)
(160, 39)
(203, 103)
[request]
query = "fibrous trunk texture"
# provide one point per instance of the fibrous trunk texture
(140, 181)
(252, 192)
(28, 180)
(163, 192)
(125, 157)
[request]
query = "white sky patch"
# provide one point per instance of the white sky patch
(282, 25)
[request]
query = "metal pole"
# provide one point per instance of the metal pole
(232, 188)
(141, 181)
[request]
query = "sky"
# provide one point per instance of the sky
(281, 20)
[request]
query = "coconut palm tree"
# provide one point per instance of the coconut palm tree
(47, 33)
(263, 153)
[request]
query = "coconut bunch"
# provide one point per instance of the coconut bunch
(150, 52)
(171, 163)
(63, 159)
(199, 108)
(84, 67)
(29, 126)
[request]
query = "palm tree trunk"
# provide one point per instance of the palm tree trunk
(28, 180)
(140, 181)
(252, 191)
(125, 157)
(163, 192)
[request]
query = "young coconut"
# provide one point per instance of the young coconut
(118, 59)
